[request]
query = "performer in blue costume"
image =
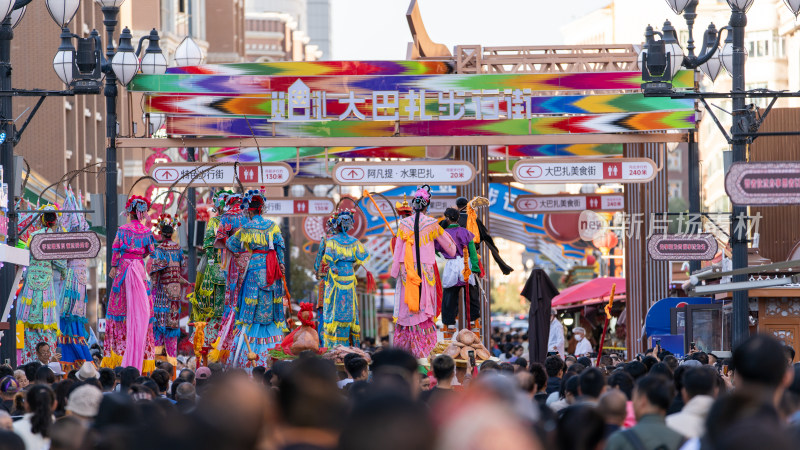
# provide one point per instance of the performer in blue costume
(321, 272)
(72, 321)
(260, 309)
(343, 255)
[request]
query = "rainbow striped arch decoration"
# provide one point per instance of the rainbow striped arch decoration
(343, 99)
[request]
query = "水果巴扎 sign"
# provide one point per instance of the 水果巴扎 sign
(532, 204)
(76, 245)
(764, 183)
(400, 173)
(582, 170)
(222, 174)
(682, 247)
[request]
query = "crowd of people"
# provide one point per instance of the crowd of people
(393, 402)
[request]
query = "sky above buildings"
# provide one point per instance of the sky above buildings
(377, 29)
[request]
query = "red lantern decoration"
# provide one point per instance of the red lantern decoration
(606, 241)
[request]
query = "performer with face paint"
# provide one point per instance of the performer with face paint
(321, 272)
(168, 261)
(413, 267)
(129, 317)
(260, 309)
(343, 255)
(37, 304)
(209, 296)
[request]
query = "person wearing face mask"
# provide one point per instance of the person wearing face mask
(584, 347)
(37, 304)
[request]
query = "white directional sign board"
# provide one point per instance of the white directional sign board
(437, 206)
(532, 204)
(222, 175)
(582, 170)
(403, 173)
(299, 207)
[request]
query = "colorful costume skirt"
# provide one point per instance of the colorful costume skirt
(72, 344)
(37, 310)
(418, 339)
(129, 320)
(262, 338)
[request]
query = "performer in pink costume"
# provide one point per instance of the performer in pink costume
(129, 317)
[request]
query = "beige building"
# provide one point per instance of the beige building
(276, 30)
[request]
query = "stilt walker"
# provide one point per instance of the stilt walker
(129, 317)
(458, 272)
(233, 265)
(321, 272)
(260, 306)
(168, 262)
(72, 342)
(209, 294)
(344, 254)
(37, 304)
(413, 267)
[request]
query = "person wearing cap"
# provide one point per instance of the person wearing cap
(584, 347)
(84, 402)
(57, 370)
(555, 342)
(9, 386)
(86, 372)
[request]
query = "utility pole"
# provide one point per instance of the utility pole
(8, 345)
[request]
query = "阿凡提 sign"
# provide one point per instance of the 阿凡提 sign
(403, 173)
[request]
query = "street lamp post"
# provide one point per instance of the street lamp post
(120, 64)
(661, 60)
(189, 53)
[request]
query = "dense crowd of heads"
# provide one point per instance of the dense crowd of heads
(749, 401)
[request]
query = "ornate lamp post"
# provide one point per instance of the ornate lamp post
(663, 57)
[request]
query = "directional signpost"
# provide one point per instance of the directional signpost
(299, 207)
(403, 173)
(77, 245)
(532, 204)
(682, 247)
(764, 183)
(437, 206)
(594, 170)
(222, 175)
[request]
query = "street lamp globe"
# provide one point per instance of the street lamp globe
(153, 61)
(125, 64)
(678, 5)
(64, 61)
(741, 5)
(110, 3)
(672, 48)
(5, 7)
(62, 11)
(188, 53)
(156, 121)
(727, 54)
(16, 16)
(712, 67)
(793, 5)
